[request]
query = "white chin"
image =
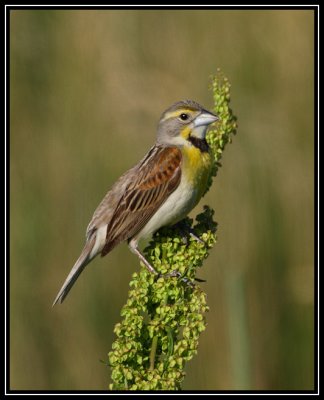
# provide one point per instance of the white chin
(199, 132)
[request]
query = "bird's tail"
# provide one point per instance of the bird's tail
(81, 263)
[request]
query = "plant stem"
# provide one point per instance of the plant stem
(153, 352)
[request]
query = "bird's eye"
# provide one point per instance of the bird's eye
(184, 116)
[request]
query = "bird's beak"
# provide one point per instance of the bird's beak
(205, 118)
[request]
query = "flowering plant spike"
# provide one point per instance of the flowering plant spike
(163, 317)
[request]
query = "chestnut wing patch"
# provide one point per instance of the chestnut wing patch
(157, 177)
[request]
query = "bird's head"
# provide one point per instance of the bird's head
(183, 123)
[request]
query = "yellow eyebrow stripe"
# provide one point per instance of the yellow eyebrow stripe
(172, 114)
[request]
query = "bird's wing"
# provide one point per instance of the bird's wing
(149, 185)
(134, 198)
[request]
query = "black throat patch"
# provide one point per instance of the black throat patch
(201, 144)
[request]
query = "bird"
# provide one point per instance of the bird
(158, 191)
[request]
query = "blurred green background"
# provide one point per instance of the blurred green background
(87, 88)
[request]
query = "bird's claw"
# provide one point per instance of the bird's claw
(196, 237)
(200, 280)
(172, 274)
(177, 274)
(186, 231)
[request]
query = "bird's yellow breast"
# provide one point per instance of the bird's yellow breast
(196, 167)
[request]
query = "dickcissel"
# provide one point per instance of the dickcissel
(160, 190)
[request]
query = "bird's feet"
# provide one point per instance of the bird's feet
(178, 275)
(186, 231)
